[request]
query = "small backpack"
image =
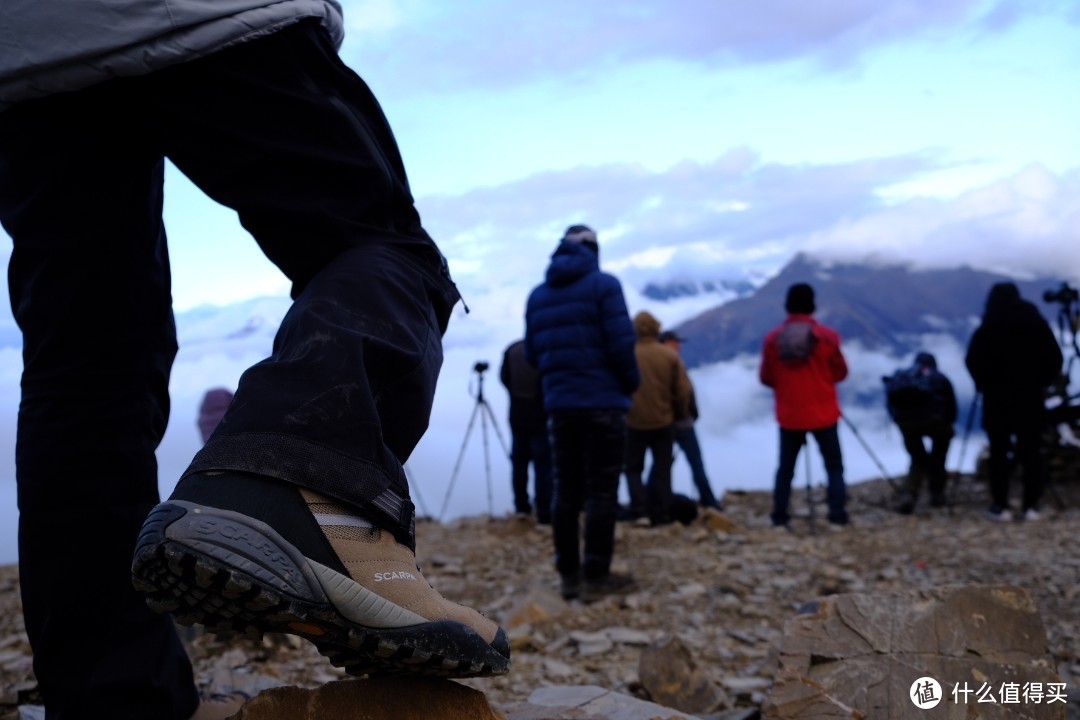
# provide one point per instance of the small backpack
(796, 342)
(911, 396)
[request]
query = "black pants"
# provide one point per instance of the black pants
(529, 445)
(1014, 422)
(652, 498)
(587, 460)
(791, 443)
(928, 464)
(279, 130)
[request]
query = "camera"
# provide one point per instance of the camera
(1065, 295)
(482, 366)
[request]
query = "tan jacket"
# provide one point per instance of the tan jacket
(664, 394)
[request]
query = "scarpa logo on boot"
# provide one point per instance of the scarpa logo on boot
(384, 576)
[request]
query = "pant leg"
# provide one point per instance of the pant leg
(936, 471)
(541, 457)
(281, 131)
(604, 455)
(916, 449)
(636, 448)
(660, 443)
(81, 197)
(1029, 455)
(687, 439)
(828, 440)
(791, 441)
(999, 466)
(520, 456)
(568, 486)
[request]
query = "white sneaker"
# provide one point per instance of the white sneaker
(1032, 515)
(999, 515)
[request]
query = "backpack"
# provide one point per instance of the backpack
(912, 396)
(796, 342)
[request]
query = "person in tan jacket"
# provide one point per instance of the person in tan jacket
(662, 398)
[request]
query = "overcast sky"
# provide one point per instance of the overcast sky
(701, 140)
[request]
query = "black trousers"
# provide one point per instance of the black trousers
(928, 464)
(281, 131)
(1014, 421)
(651, 498)
(587, 460)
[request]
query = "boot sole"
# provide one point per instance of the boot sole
(236, 575)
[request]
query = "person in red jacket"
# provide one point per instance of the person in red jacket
(802, 362)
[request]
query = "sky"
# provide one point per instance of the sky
(703, 141)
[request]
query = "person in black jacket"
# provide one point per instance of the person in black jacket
(1013, 357)
(922, 402)
(528, 433)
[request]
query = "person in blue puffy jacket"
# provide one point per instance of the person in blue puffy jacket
(579, 335)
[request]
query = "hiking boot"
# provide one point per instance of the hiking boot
(999, 514)
(1032, 515)
(241, 553)
(593, 589)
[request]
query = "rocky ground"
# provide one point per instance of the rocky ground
(725, 593)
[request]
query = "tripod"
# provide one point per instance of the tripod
(483, 410)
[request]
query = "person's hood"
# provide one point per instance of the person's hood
(925, 359)
(571, 261)
(646, 326)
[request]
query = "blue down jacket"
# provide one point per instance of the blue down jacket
(50, 46)
(579, 335)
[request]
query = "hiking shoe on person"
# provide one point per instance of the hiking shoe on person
(906, 506)
(1032, 515)
(593, 589)
(242, 553)
(999, 514)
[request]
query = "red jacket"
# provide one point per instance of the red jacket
(805, 391)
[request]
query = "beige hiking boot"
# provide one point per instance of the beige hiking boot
(352, 590)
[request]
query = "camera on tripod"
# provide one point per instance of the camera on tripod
(1065, 295)
(482, 366)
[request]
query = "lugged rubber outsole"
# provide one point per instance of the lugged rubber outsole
(236, 575)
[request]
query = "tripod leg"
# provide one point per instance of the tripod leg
(457, 465)
(487, 456)
(495, 424)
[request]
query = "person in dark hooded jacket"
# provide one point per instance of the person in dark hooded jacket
(926, 411)
(579, 336)
(1013, 357)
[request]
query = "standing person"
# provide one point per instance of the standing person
(1013, 358)
(528, 433)
(579, 335)
(801, 361)
(686, 436)
(922, 403)
(662, 398)
(287, 519)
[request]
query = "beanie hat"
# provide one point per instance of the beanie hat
(582, 234)
(800, 299)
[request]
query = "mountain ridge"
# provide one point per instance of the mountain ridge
(886, 307)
